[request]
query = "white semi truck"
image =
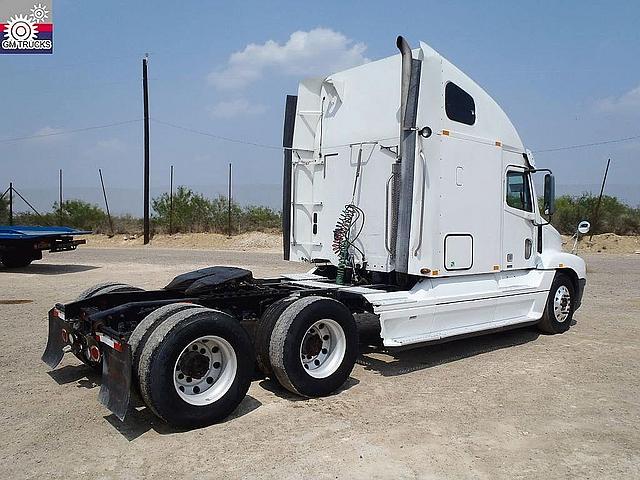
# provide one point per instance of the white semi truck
(408, 190)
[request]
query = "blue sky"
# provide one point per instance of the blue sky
(566, 72)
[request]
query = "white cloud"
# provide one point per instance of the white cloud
(48, 133)
(113, 144)
(237, 107)
(625, 103)
(320, 51)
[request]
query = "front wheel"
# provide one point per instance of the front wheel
(313, 346)
(196, 367)
(558, 312)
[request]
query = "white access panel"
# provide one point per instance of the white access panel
(458, 251)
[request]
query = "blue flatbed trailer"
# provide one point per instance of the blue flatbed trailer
(20, 245)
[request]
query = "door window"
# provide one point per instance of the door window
(519, 191)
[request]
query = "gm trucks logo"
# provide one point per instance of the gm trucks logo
(24, 28)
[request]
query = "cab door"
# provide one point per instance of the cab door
(518, 229)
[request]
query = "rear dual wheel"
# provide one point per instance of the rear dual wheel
(313, 346)
(195, 367)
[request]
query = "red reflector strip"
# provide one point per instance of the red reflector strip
(57, 314)
(101, 337)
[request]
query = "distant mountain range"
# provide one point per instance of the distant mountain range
(129, 200)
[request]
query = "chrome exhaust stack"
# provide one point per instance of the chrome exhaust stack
(403, 169)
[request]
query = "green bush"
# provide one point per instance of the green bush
(614, 216)
(256, 217)
(75, 213)
(220, 215)
(79, 214)
(193, 212)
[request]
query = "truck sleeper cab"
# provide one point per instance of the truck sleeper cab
(412, 197)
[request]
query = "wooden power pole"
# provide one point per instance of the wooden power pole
(145, 92)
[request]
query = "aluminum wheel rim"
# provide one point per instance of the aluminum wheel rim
(323, 348)
(562, 303)
(210, 366)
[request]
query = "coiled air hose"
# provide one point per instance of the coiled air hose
(341, 238)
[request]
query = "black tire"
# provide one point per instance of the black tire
(264, 328)
(550, 322)
(161, 352)
(16, 260)
(106, 287)
(286, 343)
(146, 327)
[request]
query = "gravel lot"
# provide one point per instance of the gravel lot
(510, 405)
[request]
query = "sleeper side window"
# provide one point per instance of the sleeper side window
(459, 105)
(519, 191)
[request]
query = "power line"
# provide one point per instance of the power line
(213, 135)
(261, 145)
(585, 145)
(64, 132)
(274, 147)
(264, 145)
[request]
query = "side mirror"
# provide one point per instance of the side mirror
(549, 194)
(584, 227)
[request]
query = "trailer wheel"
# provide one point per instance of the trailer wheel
(264, 329)
(16, 260)
(147, 326)
(313, 346)
(106, 287)
(196, 367)
(560, 306)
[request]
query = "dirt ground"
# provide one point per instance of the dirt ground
(510, 405)
(270, 242)
(605, 243)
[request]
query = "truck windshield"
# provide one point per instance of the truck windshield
(519, 191)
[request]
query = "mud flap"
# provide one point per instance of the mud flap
(53, 353)
(116, 380)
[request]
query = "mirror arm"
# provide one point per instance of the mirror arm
(548, 222)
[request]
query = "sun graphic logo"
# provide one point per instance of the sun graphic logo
(21, 28)
(39, 13)
(29, 31)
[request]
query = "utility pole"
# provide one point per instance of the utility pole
(597, 212)
(106, 202)
(10, 203)
(229, 203)
(145, 92)
(171, 202)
